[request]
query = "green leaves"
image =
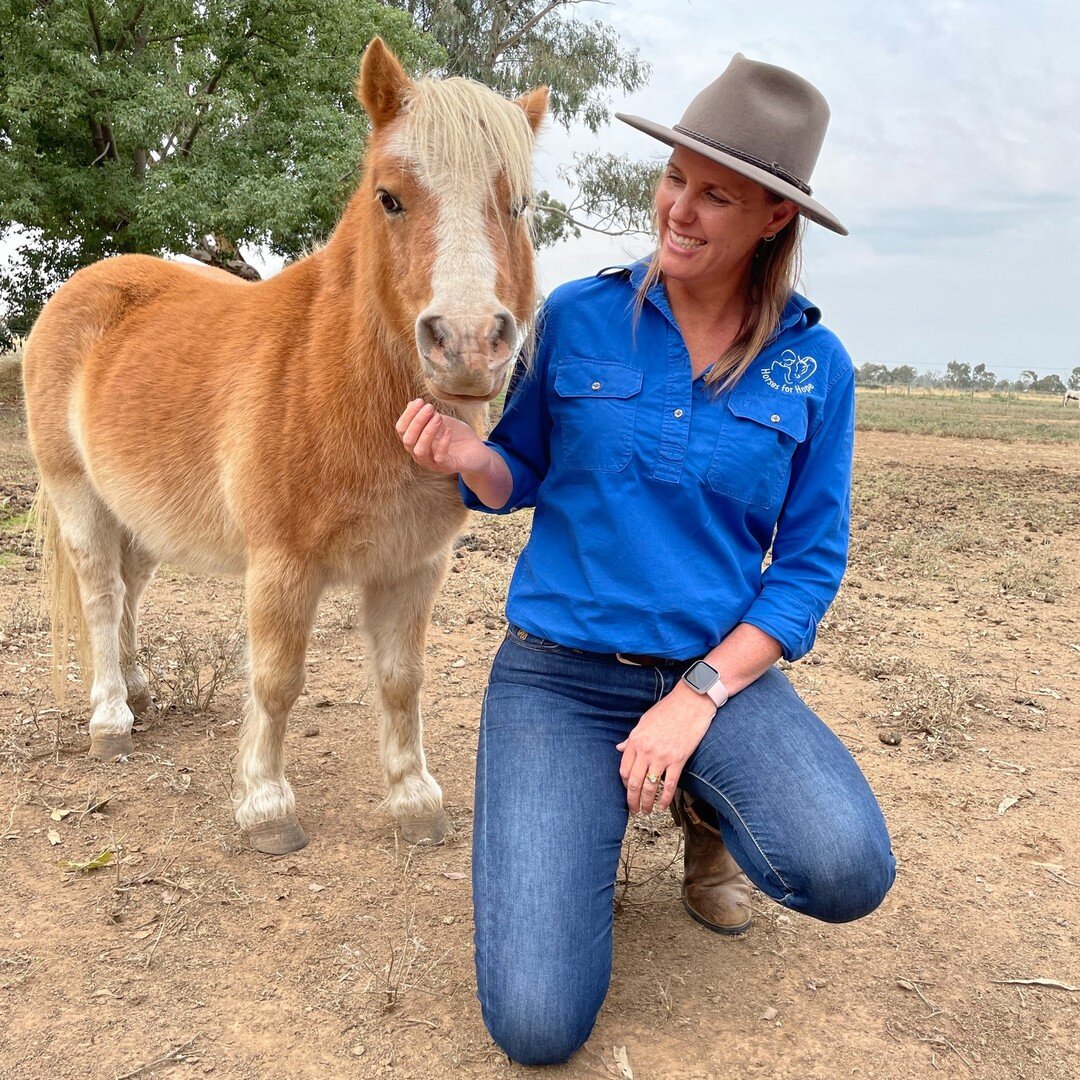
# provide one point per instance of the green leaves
(144, 126)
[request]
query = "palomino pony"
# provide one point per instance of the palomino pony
(178, 413)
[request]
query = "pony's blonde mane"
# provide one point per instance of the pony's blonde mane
(441, 121)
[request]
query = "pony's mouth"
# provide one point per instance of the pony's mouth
(467, 399)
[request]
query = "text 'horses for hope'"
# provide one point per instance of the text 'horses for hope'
(180, 414)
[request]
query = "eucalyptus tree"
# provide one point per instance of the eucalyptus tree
(178, 126)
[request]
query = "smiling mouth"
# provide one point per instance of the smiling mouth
(687, 243)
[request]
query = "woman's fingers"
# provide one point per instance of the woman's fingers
(406, 418)
(670, 785)
(415, 428)
(652, 786)
(433, 427)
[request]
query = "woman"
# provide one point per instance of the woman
(678, 413)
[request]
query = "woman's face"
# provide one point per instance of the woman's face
(712, 219)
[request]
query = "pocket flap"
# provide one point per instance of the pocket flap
(786, 414)
(588, 377)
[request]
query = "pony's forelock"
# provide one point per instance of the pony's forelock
(460, 128)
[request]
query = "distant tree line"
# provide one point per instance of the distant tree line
(961, 376)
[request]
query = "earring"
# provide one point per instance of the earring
(768, 239)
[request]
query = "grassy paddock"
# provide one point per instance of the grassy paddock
(1030, 417)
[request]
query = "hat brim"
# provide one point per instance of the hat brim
(810, 208)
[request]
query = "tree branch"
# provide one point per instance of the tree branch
(577, 224)
(513, 39)
(207, 91)
(98, 44)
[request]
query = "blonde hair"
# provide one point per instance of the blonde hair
(471, 132)
(774, 272)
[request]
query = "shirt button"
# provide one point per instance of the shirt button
(596, 386)
(677, 413)
(775, 418)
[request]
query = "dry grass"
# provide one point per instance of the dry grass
(1029, 417)
(187, 671)
(1037, 575)
(936, 705)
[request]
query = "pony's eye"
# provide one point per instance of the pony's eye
(390, 203)
(519, 208)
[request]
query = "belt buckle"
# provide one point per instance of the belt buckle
(624, 659)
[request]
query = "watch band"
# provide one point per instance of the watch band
(718, 692)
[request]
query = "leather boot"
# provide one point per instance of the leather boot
(715, 892)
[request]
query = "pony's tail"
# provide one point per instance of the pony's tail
(60, 591)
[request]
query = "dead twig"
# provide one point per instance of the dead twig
(1053, 984)
(176, 1054)
(911, 984)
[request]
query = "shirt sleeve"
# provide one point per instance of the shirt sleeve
(810, 547)
(522, 437)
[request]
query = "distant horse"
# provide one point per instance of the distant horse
(1071, 395)
(178, 413)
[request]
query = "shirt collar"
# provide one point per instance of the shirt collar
(797, 308)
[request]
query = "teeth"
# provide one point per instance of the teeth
(684, 241)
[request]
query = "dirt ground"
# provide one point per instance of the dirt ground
(957, 633)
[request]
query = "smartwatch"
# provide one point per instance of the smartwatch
(703, 679)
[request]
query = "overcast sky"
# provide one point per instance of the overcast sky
(953, 156)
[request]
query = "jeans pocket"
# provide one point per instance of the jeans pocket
(596, 407)
(758, 437)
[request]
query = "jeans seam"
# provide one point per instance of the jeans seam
(483, 840)
(727, 802)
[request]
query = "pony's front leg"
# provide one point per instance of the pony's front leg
(282, 595)
(396, 616)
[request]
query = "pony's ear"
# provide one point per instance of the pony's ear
(535, 104)
(382, 83)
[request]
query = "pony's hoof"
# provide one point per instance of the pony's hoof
(111, 746)
(279, 836)
(429, 829)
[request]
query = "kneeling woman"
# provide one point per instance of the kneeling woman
(681, 416)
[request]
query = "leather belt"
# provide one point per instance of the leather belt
(641, 660)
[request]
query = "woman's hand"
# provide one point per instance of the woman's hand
(659, 746)
(440, 443)
(445, 445)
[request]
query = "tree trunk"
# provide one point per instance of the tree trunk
(221, 252)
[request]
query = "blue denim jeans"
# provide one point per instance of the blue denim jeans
(794, 809)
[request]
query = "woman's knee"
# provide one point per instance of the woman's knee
(540, 1029)
(845, 878)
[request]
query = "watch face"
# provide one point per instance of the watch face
(701, 676)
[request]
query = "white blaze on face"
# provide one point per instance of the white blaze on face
(464, 273)
(459, 138)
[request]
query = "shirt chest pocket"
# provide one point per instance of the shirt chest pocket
(597, 403)
(758, 437)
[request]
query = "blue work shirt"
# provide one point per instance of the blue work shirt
(657, 499)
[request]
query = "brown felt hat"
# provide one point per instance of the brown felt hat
(764, 122)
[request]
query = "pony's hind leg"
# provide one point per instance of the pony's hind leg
(396, 617)
(282, 595)
(137, 567)
(93, 540)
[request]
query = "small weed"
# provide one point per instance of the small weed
(1038, 576)
(402, 965)
(186, 673)
(927, 702)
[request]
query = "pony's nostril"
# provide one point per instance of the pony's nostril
(432, 332)
(505, 329)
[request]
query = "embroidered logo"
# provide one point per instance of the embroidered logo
(791, 373)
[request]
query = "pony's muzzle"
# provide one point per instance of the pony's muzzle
(466, 356)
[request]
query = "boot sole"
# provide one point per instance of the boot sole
(727, 931)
